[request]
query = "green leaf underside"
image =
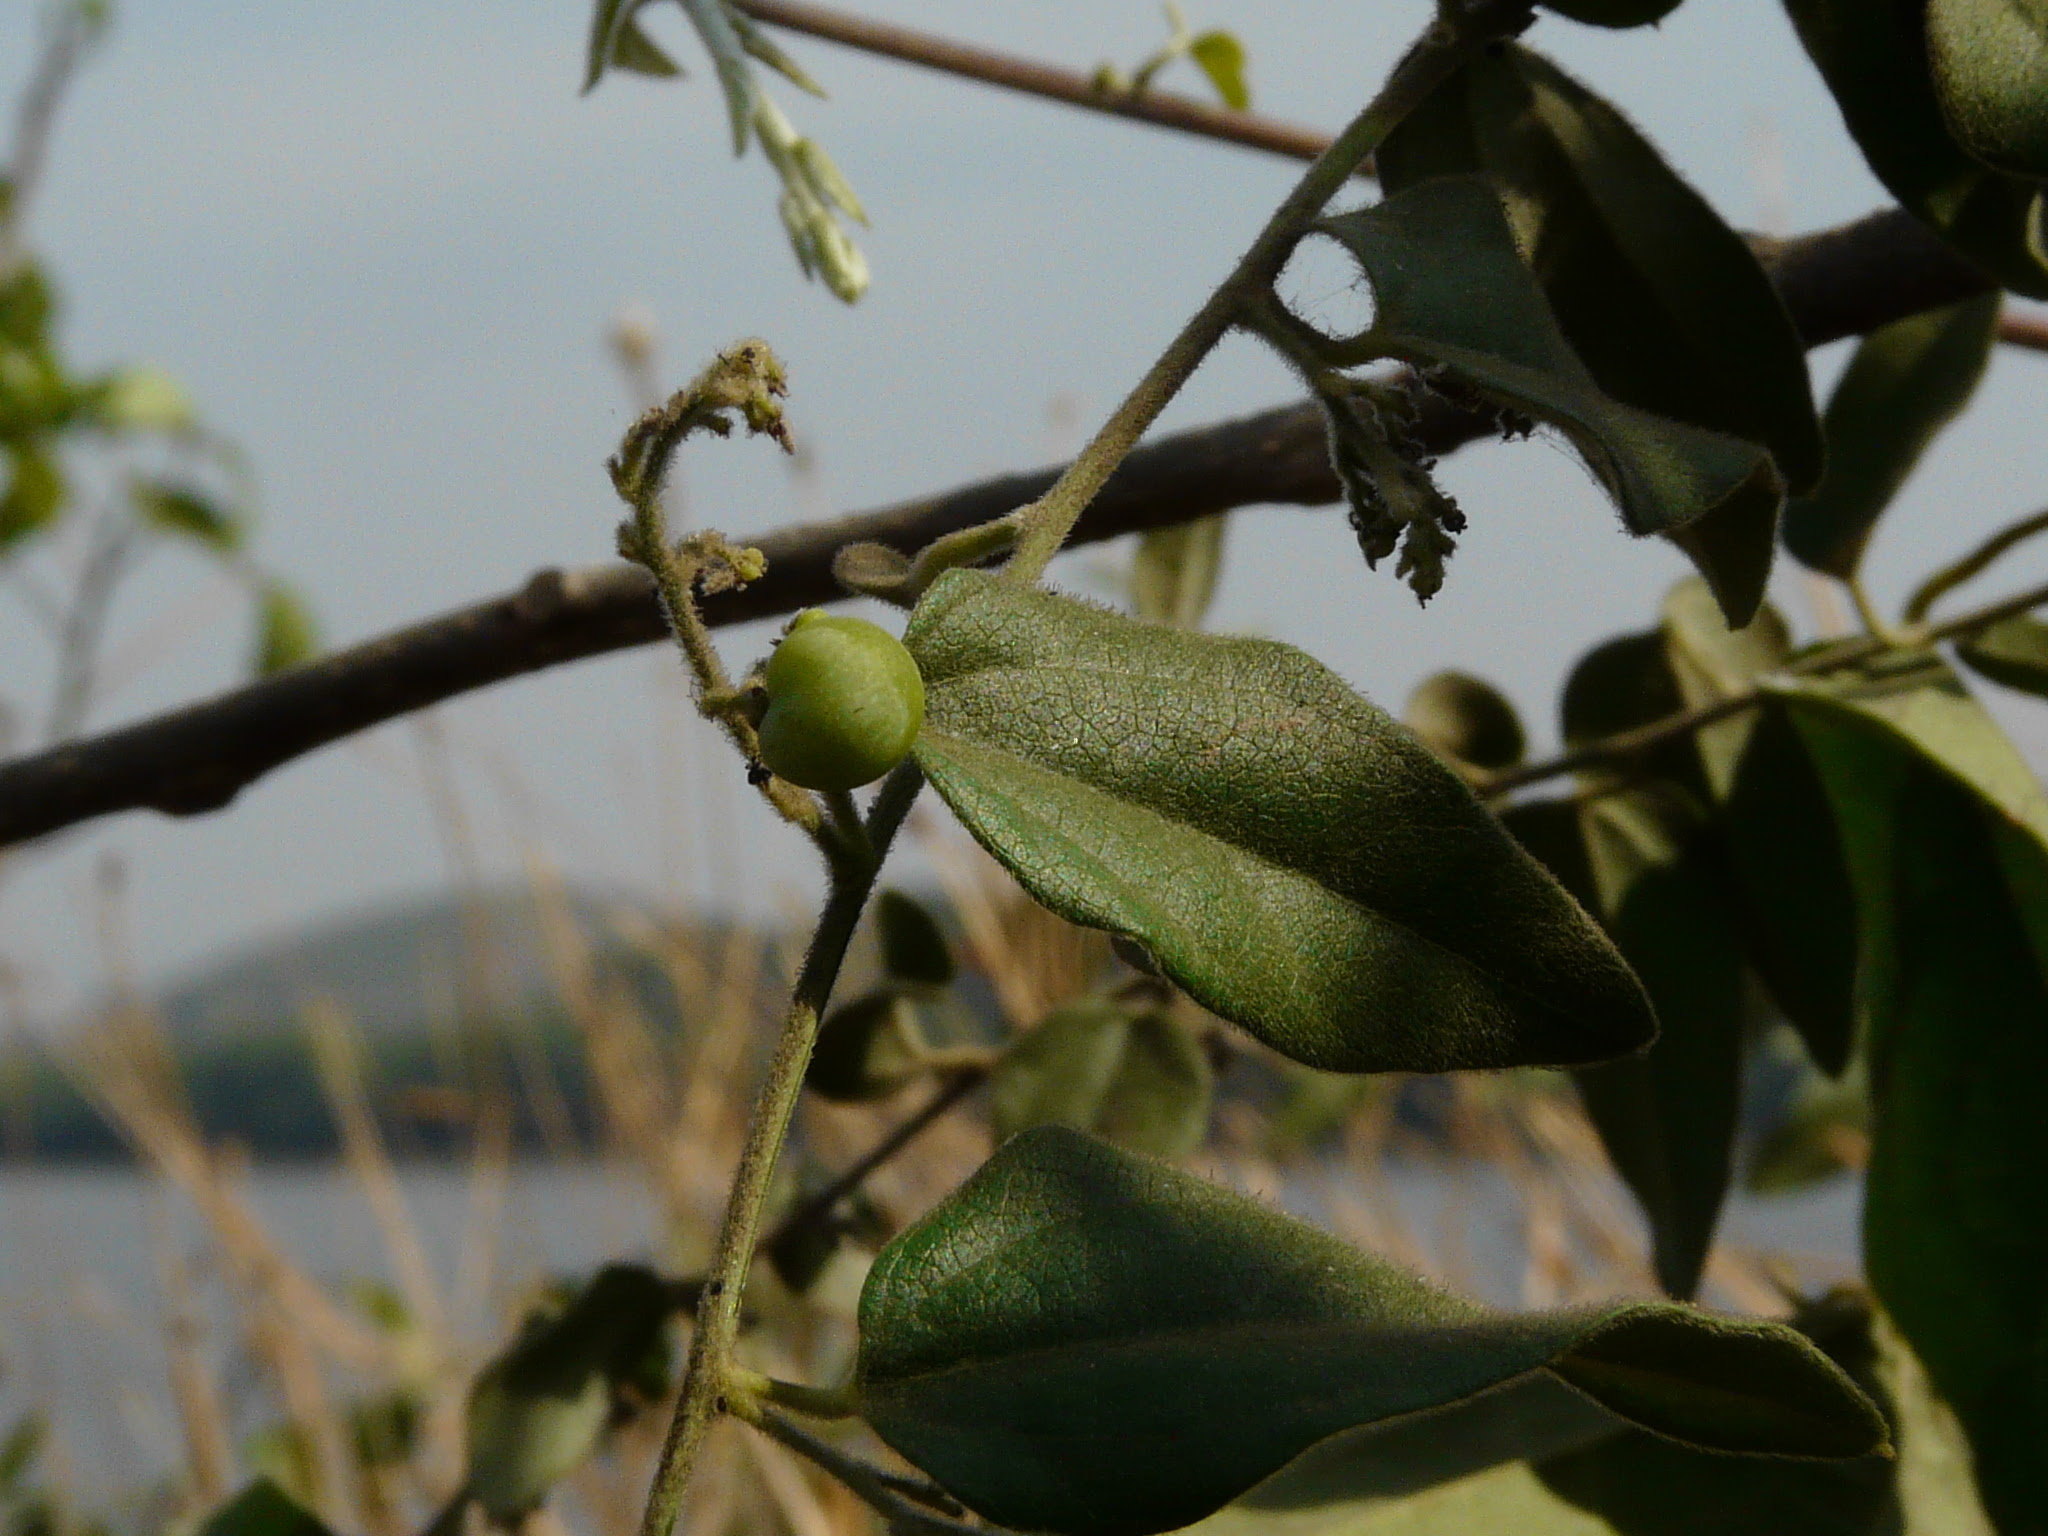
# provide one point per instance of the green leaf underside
(1085, 1342)
(1451, 291)
(1905, 383)
(1793, 901)
(1293, 858)
(1945, 828)
(2013, 653)
(1990, 62)
(913, 948)
(1874, 57)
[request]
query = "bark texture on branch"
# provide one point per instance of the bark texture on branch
(1837, 283)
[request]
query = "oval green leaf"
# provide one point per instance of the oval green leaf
(913, 947)
(1293, 858)
(1874, 57)
(1906, 381)
(1466, 719)
(1085, 1342)
(2013, 652)
(1990, 60)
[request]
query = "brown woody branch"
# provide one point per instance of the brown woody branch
(1837, 283)
(1162, 108)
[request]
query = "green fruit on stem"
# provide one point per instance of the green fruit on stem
(844, 702)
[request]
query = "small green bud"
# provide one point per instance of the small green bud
(844, 702)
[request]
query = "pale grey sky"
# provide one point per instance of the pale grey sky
(381, 243)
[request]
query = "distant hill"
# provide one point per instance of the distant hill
(435, 1021)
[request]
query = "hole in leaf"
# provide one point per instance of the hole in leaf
(1322, 284)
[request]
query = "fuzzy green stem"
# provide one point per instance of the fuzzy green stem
(707, 1386)
(1874, 622)
(1443, 48)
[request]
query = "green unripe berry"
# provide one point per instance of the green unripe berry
(844, 702)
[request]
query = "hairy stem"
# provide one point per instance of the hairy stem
(1444, 46)
(707, 1388)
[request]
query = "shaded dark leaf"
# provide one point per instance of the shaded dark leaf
(1905, 383)
(1466, 719)
(1453, 293)
(868, 1048)
(1873, 55)
(637, 53)
(1086, 1342)
(1665, 304)
(1292, 857)
(1944, 826)
(262, 1509)
(913, 948)
(1792, 896)
(1613, 13)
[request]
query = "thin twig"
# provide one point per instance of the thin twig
(1627, 744)
(72, 32)
(705, 1388)
(1972, 565)
(1183, 113)
(819, 1207)
(889, 1495)
(2018, 329)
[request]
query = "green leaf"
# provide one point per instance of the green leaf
(1292, 857)
(1640, 857)
(1466, 719)
(1173, 575)
(34, 494)
(285, 634)
(607, 17)
(1990, 61)
(1617, 686)
(1141, 1080)
(2013, 652)
(1665, 304)
(1530, 1418)
(1643, 1486)
(1874, 57)
(538, 1410)
(1944, 826)
(1905, 383)
(634, 51)
(1793, 899)
(1221, 57)
(262, 1509)
(913, 948)
(867, 1049)
(1451, 291)
(185, 513)
(1825, 1132)
(1613, 13)
(1085, 1342)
